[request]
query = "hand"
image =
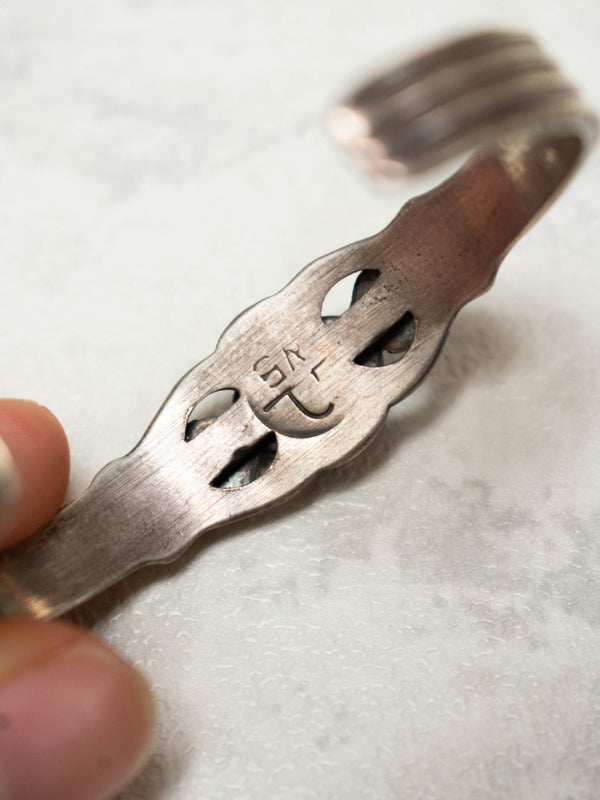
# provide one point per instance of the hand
(75, 720)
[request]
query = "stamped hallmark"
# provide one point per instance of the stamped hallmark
(290, 398)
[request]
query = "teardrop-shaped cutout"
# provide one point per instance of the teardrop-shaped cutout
(247, 464)
(391, 346)
(207, 410)
(346, 292)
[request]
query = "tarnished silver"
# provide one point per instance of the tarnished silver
(310, 392)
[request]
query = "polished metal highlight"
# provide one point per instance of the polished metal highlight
(311, 392)
(9, 482)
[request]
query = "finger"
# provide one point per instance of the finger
(40, 458)
(75, 721)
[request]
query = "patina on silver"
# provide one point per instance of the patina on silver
(310, 392)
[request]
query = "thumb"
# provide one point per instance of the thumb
(75, 720)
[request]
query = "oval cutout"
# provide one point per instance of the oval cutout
(391, 346)
(247, 464)
(207, 410)
(346, 292)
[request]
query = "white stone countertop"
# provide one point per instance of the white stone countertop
(423, 623)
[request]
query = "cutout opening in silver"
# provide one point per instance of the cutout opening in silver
(209, 409)
(391, 346)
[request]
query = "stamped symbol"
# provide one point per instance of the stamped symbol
(290, 399)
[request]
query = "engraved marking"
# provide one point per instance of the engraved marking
(289, 353)
(315, 368)
(307, 412)
(275, 369)
(256, 363)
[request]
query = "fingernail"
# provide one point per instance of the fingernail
(75, 720)
(9, 484)
(40, 452)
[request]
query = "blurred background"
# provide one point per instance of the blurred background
(422, 623)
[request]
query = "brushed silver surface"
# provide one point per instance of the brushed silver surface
(301, 382)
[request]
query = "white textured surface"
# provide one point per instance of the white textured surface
(423, 623)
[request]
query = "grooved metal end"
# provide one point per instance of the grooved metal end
(466, 94)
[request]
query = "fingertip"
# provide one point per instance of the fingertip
(75, 720)
(40, 455)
